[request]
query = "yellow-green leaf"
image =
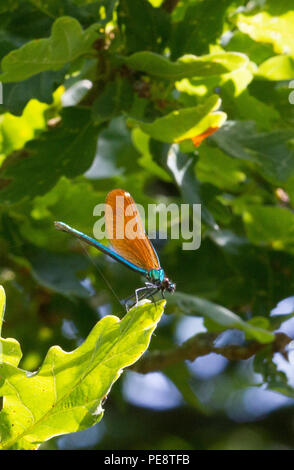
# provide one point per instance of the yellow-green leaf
(67, 392)
(267, 28)
(184, 123)
(280, 67)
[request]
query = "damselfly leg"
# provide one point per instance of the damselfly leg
(150, 291)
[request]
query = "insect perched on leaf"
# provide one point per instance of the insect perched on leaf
(128, 246)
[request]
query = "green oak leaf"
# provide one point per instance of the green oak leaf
(150, 30)
(58, 204)
(217, 168)
(67, 393)
(67, 42)
(186, 66)
(115, 98)
(184, 123)
(201, 26)
(116, 153)
(181, 167)
(58, 271)
(275, 28)
(10, 351)
(142, 143)
(258, 52)
(85, 11)
(39, 87)
(15, 131)
(280, 67)
(66, 150)
(270, 225)
(220, 318)
(271, 152)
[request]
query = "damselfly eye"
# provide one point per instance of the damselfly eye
(168, 285)
(172, 287)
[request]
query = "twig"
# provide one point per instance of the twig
(202, 344)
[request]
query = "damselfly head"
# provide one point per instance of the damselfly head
(168, 285)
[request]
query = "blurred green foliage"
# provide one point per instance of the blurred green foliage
(103, 94)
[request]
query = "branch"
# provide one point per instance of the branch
(202, 344)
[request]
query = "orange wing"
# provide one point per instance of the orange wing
(125, 230)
